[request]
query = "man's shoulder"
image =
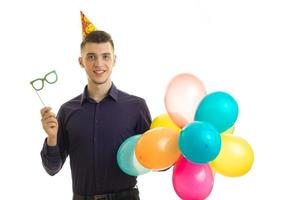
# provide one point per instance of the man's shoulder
(126, 97)
(72, 103)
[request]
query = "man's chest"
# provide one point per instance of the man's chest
(96, 127)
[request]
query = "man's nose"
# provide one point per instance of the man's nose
(98, 62)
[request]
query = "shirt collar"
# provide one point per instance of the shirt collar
(112, 92)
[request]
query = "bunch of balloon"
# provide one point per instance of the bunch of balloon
(205, 140)
(195, 136)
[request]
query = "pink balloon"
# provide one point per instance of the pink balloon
(192, 181)
(183, 95)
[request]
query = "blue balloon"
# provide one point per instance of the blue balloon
(199, 142)
(126, 157)
(219, 109)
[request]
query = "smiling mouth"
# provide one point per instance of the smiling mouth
(99, 72)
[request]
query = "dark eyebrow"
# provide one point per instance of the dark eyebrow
(90, 54)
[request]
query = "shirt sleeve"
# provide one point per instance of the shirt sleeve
(53, 157)
(144, 119)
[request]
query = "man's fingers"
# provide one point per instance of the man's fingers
(48, 115)
(50, 120)
(45, 110)
(52, 124)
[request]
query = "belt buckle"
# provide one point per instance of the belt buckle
(102, 197)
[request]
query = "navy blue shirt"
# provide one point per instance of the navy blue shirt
(90, 133)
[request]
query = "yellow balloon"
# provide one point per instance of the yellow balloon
(212, 169)
(235, 158)
(229, 131)
(165, 121)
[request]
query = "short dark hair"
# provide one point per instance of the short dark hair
(97, 37)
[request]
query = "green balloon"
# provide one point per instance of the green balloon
(219, 109)
(126, 157)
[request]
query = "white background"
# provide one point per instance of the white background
(249, 49)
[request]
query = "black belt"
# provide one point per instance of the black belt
(109, 196)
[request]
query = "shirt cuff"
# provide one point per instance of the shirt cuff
(50, 150)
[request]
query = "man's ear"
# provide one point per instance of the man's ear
(80, 62)
(115, 60)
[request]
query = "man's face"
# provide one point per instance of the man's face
(98, 60)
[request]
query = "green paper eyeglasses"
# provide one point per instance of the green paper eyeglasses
(38, 84)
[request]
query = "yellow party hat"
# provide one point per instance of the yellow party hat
(87, 26)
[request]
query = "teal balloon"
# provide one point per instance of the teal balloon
(199, 142)
(219, 109)
(126, 157)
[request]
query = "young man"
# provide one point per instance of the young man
(91, 127)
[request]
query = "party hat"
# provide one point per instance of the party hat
(87, 26)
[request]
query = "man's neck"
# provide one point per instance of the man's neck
(100, 91)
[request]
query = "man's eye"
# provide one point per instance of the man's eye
(106, 57)
(90, 57)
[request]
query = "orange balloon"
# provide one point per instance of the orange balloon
(158, 148)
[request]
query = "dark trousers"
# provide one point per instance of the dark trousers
(129, 194)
